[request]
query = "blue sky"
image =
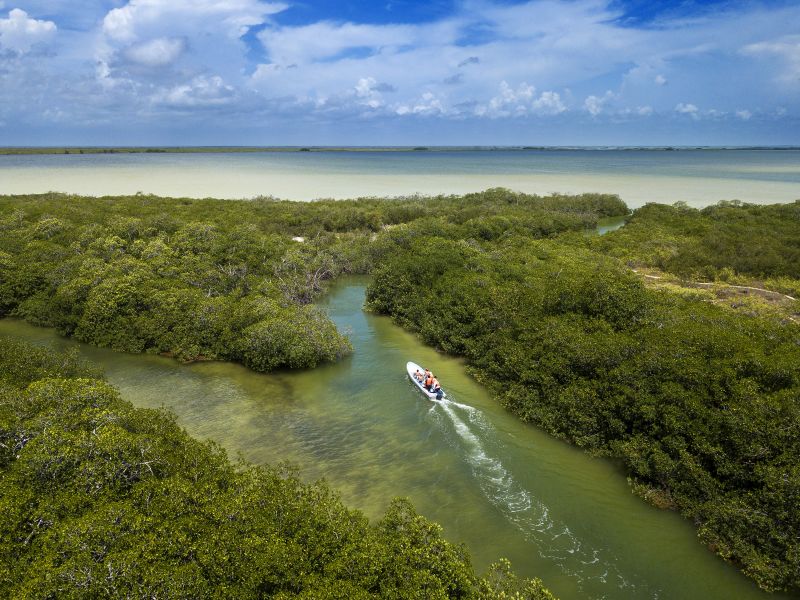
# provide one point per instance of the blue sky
(399, 72)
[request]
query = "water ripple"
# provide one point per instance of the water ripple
(554, 540)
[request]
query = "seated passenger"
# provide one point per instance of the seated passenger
(419, 376)
(428, 379)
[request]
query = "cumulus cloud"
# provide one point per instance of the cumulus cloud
(510, 101)
(519, 102)
(200, 92)
(369, 92)
(595, 105)
(233, 17)
(428, 104)
(19, 32)
(156, 53)
(156, 33)
(548, 103)
(148, 57)
(177, 53)
(687, 109)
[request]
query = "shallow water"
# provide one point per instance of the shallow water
(698, 177)
(503, 488)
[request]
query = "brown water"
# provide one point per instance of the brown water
(501, 487)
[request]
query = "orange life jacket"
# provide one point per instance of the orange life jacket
(429, 381)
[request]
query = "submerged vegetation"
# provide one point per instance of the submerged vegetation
(101, 499)
(701, 403)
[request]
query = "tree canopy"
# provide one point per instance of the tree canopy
(101, 499)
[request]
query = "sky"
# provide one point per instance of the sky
(399, 72)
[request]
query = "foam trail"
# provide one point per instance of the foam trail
(555, 541)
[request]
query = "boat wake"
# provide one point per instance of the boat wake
(554, 540)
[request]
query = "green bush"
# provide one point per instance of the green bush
(699, 402)
(100, 499)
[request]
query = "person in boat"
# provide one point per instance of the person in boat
(437, 389)
(428, 380)
(419, 376)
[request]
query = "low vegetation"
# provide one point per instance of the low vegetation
(700, 402)
(101, 499)
(729, 241)
(217, 279)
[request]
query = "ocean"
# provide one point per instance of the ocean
(698, 177)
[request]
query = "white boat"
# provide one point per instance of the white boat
(412, 368)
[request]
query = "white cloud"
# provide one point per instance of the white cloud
(325, 40)
(19, 32)
(510, 101)
(200, 92)
(687, 109)
(366, 90)
(555, 44)
(156, 53)
(594, 105)
(490, 59)
(744, 115)
(641, 111)
(177, 53)
(233, 17)
(787, 49)
(549, 103)
(427, 104)
(520, 102)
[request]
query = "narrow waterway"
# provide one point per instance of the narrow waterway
(499, 486)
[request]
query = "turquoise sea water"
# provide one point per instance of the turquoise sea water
(699, 177)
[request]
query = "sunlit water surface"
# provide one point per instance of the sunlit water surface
(699, 177)
(501, 487)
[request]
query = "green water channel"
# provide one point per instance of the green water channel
(501, 487)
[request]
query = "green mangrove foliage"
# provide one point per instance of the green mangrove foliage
(100, 499)
(217, 279)
(702, 404)
(727, 238)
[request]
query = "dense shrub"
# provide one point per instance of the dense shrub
(749, 239)
(193, 278)
(100, 499)
(701, 403)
